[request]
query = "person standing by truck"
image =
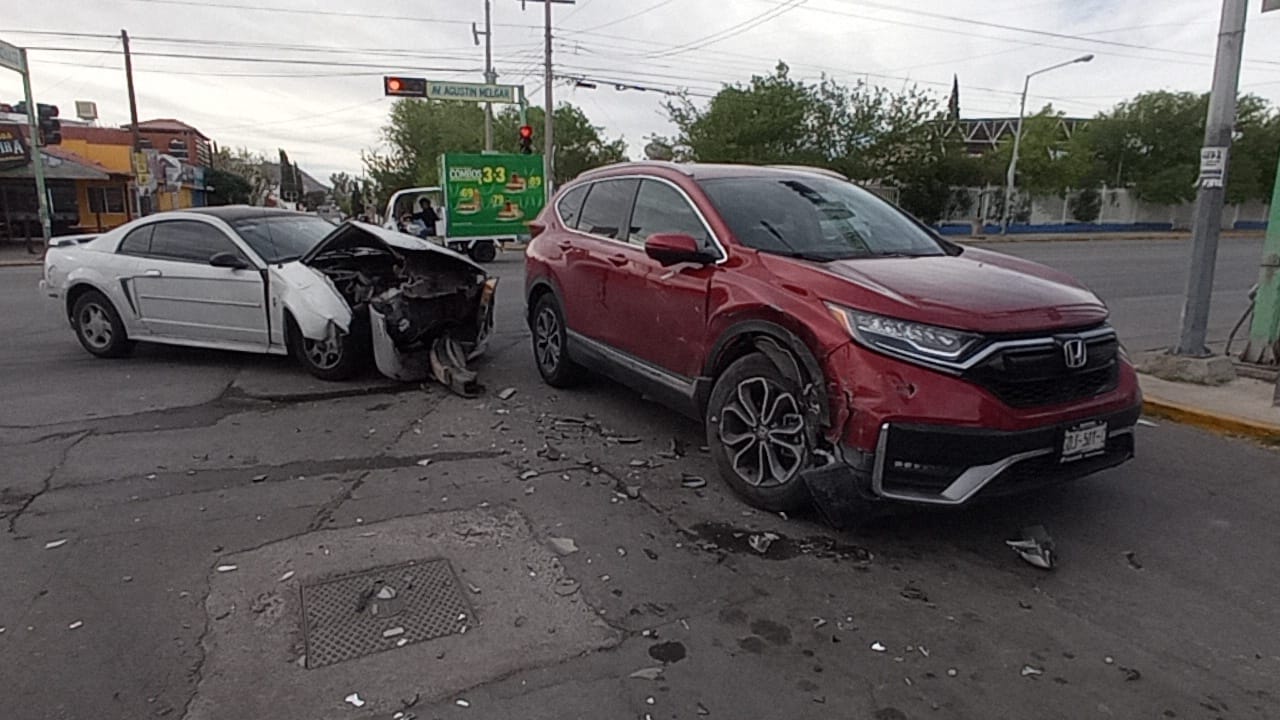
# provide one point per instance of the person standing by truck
(427, 216)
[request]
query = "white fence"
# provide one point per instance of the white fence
(1117, 209)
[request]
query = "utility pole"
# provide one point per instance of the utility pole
(133, 116)
(548, 139)
(548, 79)
(1212, 182)
(490, 77)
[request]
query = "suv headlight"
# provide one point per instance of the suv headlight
(922, 343)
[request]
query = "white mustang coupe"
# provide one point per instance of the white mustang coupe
(275, 281)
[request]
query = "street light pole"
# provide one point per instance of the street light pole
(1213, 176)
(1017, 138)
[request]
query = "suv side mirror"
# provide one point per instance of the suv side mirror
(672, 248)
(228, 260)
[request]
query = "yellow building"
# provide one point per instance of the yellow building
(102, 204)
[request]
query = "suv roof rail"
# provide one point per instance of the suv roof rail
(634, 163)
(813, 169)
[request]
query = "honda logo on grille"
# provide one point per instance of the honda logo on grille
(1075, 352)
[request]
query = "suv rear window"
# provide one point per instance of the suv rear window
(607, 206)
(816, 218)
(570, 206)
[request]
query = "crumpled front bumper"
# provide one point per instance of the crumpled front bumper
(949, 465)
(445, 357)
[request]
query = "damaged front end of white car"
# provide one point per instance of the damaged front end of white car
(421, 310)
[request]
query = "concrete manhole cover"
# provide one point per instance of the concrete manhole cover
(381, 609)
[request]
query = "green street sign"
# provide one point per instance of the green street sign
(491, 195)
(11, 57)
(473, 92)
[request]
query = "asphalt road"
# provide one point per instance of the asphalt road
(1144, 282)
(194, 514)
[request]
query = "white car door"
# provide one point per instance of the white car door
(181, 296)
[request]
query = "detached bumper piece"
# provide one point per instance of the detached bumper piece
(942, 465)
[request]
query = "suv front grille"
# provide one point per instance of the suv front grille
(1037, 376)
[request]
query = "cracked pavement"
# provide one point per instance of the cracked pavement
(158, 469)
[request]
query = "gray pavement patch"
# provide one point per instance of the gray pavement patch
(262, 650)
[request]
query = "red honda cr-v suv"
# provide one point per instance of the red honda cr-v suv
(831, 343)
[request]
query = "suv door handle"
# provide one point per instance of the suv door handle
(564, 244)
(618, 259)
(153, 273)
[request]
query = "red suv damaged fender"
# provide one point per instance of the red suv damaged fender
(832, 345)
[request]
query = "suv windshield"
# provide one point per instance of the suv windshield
(282, 238)
(815, 218)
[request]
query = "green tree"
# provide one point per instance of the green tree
(863, 131)
(928, 185)
(1151, 143)
(1049, 163)
(288, 188)
(226, 187)
(343, 186)
(1251, 171)
(773, 119)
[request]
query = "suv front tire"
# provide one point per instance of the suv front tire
(757, 432)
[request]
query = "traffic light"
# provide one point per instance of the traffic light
(526, 139)
(47, 120)
(397, 86)
(50, 125)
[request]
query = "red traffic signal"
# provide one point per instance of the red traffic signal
(526, 139)
(526, 132)
(397, 86)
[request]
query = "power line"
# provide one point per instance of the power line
(733, 30)
(326, 13)
(293, 47)
(246, 59)
(198, 73)
(625, 18)
(1015, 28)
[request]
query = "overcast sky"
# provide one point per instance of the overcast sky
(326, 105)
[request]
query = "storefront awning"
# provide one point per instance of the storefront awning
(59, 164)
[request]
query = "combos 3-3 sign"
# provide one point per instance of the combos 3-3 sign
(491, 195)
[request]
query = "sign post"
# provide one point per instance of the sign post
(15, 58)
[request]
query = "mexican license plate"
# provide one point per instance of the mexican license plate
(1082, 441)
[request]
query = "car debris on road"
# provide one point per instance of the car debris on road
(1036, 547)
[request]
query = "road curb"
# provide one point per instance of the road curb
(35, 262)
(1212, 421)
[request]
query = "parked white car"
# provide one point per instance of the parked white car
(275, 281)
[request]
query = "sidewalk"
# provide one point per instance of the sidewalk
(1241, 407)
(13, 254)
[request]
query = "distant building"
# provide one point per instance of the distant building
(174, 137)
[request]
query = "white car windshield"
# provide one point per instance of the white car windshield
(282, 238)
